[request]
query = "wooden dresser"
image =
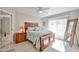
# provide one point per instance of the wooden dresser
(20, 37)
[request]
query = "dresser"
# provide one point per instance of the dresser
(20, 37)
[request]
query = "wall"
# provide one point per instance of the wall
(10, 11)
(69, 15)
(19, 18)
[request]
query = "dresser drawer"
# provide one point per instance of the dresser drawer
(20, 37)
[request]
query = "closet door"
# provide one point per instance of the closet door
(6, 30)
(6, 26)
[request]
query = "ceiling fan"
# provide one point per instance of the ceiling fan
(42, 9)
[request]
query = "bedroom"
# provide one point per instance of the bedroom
(22, 18)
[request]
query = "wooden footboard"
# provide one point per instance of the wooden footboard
(46, 40)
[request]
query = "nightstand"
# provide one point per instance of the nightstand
(20, 37)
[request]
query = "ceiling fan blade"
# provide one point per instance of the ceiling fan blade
(45, 12)
(42, 9)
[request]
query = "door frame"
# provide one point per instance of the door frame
(9, 15)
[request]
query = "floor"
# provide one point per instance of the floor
(24, 47)
(57, 46)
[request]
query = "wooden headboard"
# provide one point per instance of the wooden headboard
(30, 24)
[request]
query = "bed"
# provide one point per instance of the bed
(40, 38)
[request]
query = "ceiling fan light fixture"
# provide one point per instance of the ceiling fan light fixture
(40, 11)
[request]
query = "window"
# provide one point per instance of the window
(58, 27)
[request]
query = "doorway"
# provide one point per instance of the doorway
(5, 30)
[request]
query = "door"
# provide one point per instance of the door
(5, 30)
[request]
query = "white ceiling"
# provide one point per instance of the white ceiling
(33, 11)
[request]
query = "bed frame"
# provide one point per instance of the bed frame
(46, 37)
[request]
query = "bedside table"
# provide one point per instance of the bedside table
(20, 37)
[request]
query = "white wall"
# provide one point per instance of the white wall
(10, 10)
(21, 18)
(69, 15)
(18, 18)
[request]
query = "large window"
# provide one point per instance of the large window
(58, 27)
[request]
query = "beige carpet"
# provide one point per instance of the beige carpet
(24, 47)
(57, 46)
(28, 47)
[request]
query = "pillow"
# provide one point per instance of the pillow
(33, 28)
(37, 28)
(30, 28)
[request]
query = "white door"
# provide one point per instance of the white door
(5, 30)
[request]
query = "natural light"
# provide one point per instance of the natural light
(58, 45)
(58, 27)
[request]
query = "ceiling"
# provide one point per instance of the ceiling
(33, 11)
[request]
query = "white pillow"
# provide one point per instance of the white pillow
(31, 28)
(37, 28)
